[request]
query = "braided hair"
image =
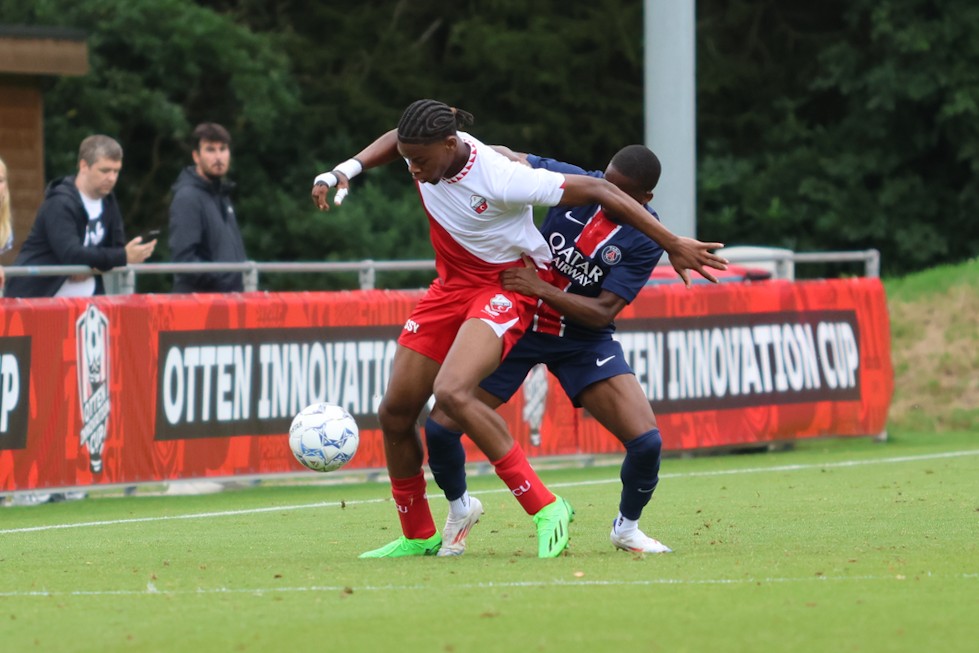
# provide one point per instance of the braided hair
(429, 121)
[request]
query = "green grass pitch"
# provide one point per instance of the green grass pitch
(837, 545)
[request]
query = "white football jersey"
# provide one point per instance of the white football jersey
(482, 217)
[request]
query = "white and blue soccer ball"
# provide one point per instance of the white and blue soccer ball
(324, 437)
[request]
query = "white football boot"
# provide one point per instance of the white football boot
(637, 542)
(457, 528)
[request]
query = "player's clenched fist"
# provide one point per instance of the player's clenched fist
(523, 280)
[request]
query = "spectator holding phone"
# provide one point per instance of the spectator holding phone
(79, 223)
(203, 227)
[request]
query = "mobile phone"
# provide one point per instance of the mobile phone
(149, 235)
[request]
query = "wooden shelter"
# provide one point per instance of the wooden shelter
(29, 56)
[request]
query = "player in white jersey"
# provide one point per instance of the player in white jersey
(479, 209)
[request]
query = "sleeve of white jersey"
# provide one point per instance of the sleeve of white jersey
(520, 184)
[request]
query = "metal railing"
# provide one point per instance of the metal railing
(869, 257)
(122, 281)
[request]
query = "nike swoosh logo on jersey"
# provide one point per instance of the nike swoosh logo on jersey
(602, 361)
(568, 216)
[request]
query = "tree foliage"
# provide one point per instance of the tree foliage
(834, 125)
(849, 125)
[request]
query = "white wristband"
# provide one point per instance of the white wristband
(327, 178)
(350, 168)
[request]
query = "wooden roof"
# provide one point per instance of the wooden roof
(30, 50)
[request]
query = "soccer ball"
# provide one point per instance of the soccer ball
(324, 437)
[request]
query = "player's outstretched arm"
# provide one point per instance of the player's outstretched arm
(685, 253)
(381, 151)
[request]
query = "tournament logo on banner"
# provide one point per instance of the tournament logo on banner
(92, 338)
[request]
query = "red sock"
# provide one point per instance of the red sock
(412, 503)
(522, 480)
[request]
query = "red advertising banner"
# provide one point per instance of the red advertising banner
(148, 388)
(746, 363)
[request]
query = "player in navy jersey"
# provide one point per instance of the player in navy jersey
(598, 267)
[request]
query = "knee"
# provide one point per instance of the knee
(647, 447)
(396, 416)
(452, 398)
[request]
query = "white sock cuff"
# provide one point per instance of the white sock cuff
(623, 525)
(460, 507)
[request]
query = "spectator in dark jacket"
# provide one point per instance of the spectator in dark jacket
(79, 223)
(203, 228)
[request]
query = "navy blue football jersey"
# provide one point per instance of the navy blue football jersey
(589, 253)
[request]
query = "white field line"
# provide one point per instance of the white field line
(151, 589)
(790, 468)
(354, 502)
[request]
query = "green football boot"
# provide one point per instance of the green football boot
(552, 528)
(402, 547)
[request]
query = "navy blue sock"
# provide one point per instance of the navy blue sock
(446, 459)
(640, 473)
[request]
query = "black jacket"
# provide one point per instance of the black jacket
(203, 229)
(58, 237)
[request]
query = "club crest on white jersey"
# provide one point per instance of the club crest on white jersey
(478, 204)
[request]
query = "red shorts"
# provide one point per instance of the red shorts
(437, 318)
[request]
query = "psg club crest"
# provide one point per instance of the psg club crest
(611, 255)
(92, 337)
(478, 204)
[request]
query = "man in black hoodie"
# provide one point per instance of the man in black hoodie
(203, 228)
(79, 223)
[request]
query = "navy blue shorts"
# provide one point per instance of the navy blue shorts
(576, 364)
